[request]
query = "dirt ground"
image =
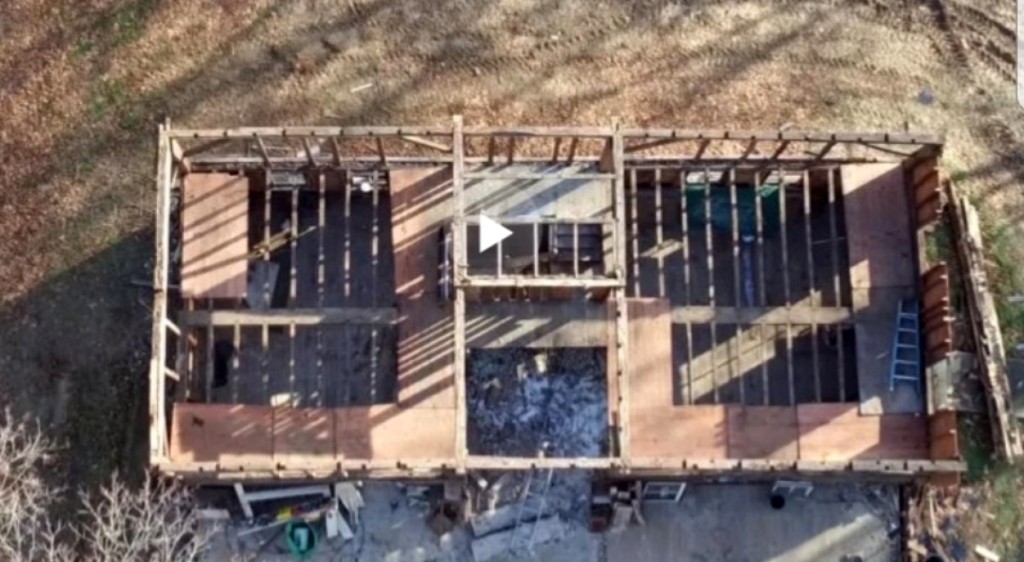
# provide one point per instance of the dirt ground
(85, 81)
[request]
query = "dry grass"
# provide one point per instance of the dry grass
(85, 81)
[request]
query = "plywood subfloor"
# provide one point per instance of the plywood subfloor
(421, 203)
(838, 432)
(878, 226)
(215, 236)
(763, 432)
(237, 435)
(881, 273)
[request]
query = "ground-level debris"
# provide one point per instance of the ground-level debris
(986, 553)
(493, 520)
(496, 544)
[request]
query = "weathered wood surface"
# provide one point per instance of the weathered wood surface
(214, 236)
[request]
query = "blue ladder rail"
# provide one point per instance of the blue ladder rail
(905, 363)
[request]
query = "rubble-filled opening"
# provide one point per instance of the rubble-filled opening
(527, 402)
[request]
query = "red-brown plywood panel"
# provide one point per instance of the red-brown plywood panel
(650, 354)
(837, 432)
(215, 236)
(680, 432)
(763, 432)
(231, 434)
(877, 226)
(391, 432)
(421, 203)
(303, 434)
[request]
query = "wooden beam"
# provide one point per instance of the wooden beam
(263, 151)
(573, 145)
(309, 152)
(459, 306)
(751, 146)
(557, 148)
(528, 281)
(762, 315)
(651, 144)
(621, 309)
(700, 150)
(511, 147)
(825, 150)
(288, 316)
(635, 229)
(380, 151)
(336, 151)
(594, 132)
(309, 132)
(427, 143)
(492, 147)
(836, 275)
(203, 147)
(659, 231)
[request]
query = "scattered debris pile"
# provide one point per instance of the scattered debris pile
(527, 402)
(966, 523)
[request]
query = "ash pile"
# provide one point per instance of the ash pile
(537, 402)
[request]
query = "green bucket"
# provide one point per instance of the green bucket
(301, 539)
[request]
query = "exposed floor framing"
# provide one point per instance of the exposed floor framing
(738, 288)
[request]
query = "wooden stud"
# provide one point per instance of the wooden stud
(812, 291)
(492, 147)
(685, 223)
(576, 249)
(700, 150)
(762, 297)
(209, 358)
(557, 149)
(510, 157)
(688, 292)
(825, 150)
(293, 286)
(375, 265)
(751, 146)
(836, 275)
(737, 274)
(709, 239)
(573, 144)
(622, 316)
(380, 152)
(779, 150)
(789, 364)
(536, 249)
(635, 229)
(336, 151)
(659, 231)
(309, 153)
(783, 225)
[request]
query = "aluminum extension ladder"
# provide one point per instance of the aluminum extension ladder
(531, 509)
(905, 363)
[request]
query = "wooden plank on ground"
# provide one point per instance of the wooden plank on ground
(877, 226)
(389, 432)
(838, 432)
(215, 236)
(230, 434)
(421, 203)
(762, 432)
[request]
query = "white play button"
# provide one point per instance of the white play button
(491, 233)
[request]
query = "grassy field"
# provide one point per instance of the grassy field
(84, 82)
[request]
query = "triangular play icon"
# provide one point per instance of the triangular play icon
(491, 233)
